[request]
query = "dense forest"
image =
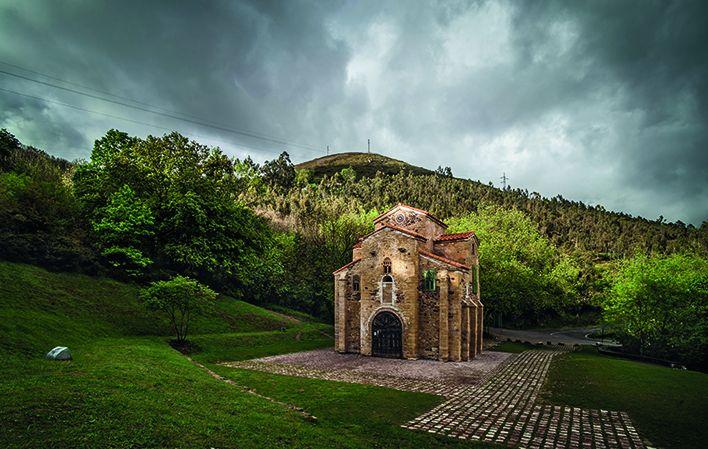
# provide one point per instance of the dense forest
(271, 233)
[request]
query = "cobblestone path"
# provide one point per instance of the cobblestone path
(503, 411)
(500, 410)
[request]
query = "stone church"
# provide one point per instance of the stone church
(411, 291)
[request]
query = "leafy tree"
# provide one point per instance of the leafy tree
(660, 306)
(122, 227)
(179, 298)
(200, 228)
(279, 173)
(445, 172)
(40, 219)
(523, 277)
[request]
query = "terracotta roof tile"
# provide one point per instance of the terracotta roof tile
(444, 259)
(452, 237)
(346, 266)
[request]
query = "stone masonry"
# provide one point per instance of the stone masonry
(411, 291)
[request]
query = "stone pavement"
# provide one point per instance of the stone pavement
(500, 409)
(503, 411)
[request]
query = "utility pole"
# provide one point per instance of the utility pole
(368, 145)
(327, 150)
(504, 179)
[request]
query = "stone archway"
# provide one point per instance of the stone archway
(387, 335)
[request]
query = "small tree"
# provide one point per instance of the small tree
(180, 298)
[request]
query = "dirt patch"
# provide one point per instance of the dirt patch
(467, 373)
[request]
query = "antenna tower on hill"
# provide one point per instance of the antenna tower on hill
(504, 179)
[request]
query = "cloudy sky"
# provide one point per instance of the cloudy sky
(600, 101)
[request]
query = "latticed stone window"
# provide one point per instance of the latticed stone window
(429, 280)
(356, 287)
(387, 266)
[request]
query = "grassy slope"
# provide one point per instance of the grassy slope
(365, 164)
(668, 406)
(127, 388)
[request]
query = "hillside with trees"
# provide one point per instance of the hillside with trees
(145, 210)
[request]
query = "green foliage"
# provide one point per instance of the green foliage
(121, 228)
(40, 220)
(180, 201)
(660, 306)
(429, 277)
(279, 173)
(524, 277)
(179, 298)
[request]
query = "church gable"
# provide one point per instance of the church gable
(408, 217)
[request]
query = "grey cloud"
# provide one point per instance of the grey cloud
(603, 101)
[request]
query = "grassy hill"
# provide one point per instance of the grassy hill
(126, 387)
(365, 165)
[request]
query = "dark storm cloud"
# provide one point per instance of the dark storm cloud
(605, 102)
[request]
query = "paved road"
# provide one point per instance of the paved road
(575, 336)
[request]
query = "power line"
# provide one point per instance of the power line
(167, 114)
(79, 108)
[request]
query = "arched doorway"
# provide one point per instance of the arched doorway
(387, 335)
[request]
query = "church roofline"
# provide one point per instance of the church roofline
(349, 265)
(425, 212)
(442, 238)
(443, 259)
(408, 232)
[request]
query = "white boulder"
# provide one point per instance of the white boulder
(59, 353)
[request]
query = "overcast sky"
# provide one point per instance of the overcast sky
(604, 102)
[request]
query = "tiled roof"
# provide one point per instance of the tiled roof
(357, 244)
(346, 266)
(443, 259)
(425, 212)
(451, 237)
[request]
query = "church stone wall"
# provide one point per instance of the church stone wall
(444, 324)
(429, 330)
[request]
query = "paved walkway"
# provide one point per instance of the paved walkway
(501, 408)
(503, 411)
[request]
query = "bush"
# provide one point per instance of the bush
(660, 307)
(180, 299)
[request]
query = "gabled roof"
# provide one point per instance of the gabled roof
(454, 237)
(405, 206)
(408, 232)
(443, 259)
(350, 264)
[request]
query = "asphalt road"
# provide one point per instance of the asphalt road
(574, 336)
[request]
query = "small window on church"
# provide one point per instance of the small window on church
(429, 280)
(387, 266)
(356, 286)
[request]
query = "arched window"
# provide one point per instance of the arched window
(387, 266)
(356, 287)
(429, 280)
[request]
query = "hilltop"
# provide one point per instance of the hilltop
(365, 165)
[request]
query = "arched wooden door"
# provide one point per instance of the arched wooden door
(387, 336)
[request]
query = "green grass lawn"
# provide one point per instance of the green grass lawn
(127, 388)
(669, 407)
